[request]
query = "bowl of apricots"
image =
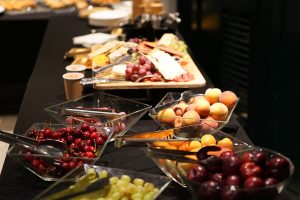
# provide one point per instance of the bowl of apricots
(213, 108)
(165, 147)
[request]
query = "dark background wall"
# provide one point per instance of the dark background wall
(253, 50)
(20, 42)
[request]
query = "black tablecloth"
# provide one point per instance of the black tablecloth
(45, 88)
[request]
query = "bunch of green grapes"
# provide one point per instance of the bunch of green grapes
(122, 188)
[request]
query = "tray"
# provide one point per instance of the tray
(199, 81)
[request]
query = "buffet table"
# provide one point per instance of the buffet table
(46, 88)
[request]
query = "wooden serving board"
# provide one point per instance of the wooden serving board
(198, 81)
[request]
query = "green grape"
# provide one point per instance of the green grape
(125, 178)
(113, 180)
(138, 181)
(103, 174)
(149, 186)
(147, 197)
(136, 195)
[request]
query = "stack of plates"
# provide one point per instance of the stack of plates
(109, 18)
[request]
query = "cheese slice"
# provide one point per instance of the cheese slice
(119, 70)
(165, 64)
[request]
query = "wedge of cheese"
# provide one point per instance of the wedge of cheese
(165, 64)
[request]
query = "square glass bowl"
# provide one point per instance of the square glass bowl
(100, 109)
(169, 112)
(61, 188)
(239, 188)
(186, 142)
(84, 146)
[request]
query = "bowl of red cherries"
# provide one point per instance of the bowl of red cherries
(84, 144)
(257, 173)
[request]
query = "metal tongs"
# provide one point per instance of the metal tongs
(183, 156)
(89, 112)
(121, 60)
(144, 139)
(89, 81)
(184, 96)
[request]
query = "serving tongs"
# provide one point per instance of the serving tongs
(89, 183)
(47, 147)
(119, 61)
(202, 155)
(89, 112)
(90, 81)
(145, 139)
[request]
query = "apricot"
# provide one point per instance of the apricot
(207, 140)
(178, 122)
(209, 122)
(218, 111)
(194, 145)
(212, 95)
(228, 98)
(191, 106)
(167, 116)
(225, 142)
(191, 117)
(182, 105)
(202, 107)
(196, 98)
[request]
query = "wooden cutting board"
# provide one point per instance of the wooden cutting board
(198, 81)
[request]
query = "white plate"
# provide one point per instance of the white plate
(109, 17)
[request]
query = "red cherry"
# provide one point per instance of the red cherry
(92, 129)
(88, 142)
(99, 141)
(209, 190)
(86, 148)
(65, 165)
(35, 163)
(94, 135)
(72, 164)
(41, 168)
(89, 154)
(85, 127)
(77, 132)
(248, 169)
(92, 149)
(86, 134)
(73, 146)
(62, 140)
(104, 136)
(253, 182)
(48, 133)
(277, 162)
(70, 138)
(55, 135)
(78, 141)
(247, 157)
(69, 130)
(29, 157)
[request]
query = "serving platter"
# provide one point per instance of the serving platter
(198, 81)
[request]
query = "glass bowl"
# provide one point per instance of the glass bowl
(85, 145)
(189, 139)
(248, 187)
(170, 119)
(58, 189)
(100, 109)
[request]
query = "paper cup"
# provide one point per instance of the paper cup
(73, 88)
(76, 68)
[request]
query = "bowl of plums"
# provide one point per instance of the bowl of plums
(188, 143)
(99, 182)
(100, 109)
(82, 144)
(256, 173)
(213, 108)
